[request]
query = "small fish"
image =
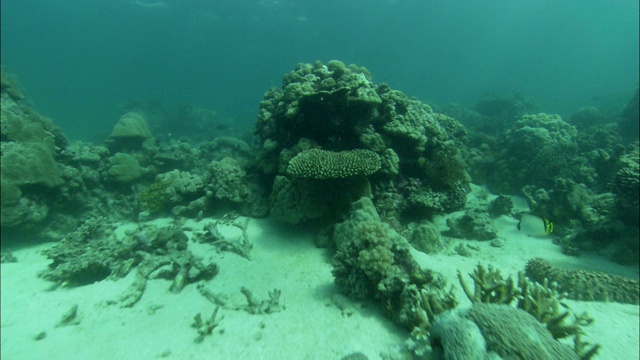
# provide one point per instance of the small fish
(535, 226)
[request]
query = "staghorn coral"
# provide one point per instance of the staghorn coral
(322, 164)
(583, 284)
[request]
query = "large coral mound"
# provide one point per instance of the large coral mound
(332, 121)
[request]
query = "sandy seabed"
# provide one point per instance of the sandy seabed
(317, 323)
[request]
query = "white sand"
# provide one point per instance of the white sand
(311, 326)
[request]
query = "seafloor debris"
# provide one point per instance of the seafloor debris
(239, 245)
(254, 306)
(70, 317)
(205, 328)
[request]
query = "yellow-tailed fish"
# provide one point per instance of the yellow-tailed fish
(535, 226)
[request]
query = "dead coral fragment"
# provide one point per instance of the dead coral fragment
(205, 328)
(261, 306)
(323, 164)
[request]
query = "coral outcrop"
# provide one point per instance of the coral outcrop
(332, 121)
(374, 261)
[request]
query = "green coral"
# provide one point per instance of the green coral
(124, 168)
(364, 255)
(474, 224)
(30, 163)
(322, 164)
(426, 238)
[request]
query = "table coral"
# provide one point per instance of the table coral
(322, 164)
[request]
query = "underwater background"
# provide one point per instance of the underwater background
(351, 180)
(80, 60)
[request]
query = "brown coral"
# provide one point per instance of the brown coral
(583, 284)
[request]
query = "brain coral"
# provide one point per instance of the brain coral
(322, 164)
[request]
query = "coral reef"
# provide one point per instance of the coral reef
(583, 284)
(129, 133)
(373, 261)
(31, 171)
(254, 306)
(494, 331)
(540, 300)
(511, 332)
(131, 125)
(329, 114)
(89, 254)
(228, 180)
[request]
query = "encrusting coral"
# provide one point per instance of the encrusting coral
(583, 284)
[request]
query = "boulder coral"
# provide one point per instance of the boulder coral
(30, 148)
